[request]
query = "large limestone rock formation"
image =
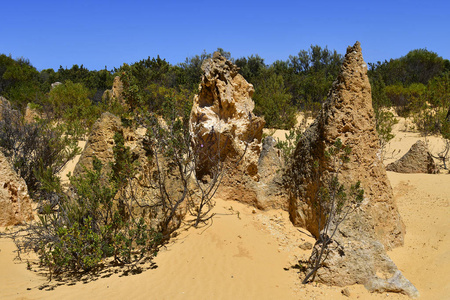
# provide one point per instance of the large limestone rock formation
(222, 118)
(224, 129)
(358, 251)
(417, 160)
(15, 203)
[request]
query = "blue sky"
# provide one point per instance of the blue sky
(109, 33)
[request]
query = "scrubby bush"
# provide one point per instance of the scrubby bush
(34, 148)
(288, 146)
(70, 103)
(95, 222)
(274, 102)
(385, 120)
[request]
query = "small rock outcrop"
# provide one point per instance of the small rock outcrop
(100, 143)
(55, 84)
(15, 203)
(5, 105)
(417, 160)
(115, 93)
(357, 254)
(31, 114)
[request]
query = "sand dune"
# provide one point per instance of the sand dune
(248, 254)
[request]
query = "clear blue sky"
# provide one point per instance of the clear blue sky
(109, 33)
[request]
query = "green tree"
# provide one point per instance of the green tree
(19, 81)
(274, 103)
(70, 102)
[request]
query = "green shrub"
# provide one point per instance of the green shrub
(273, 101)
(34, 148)
(77, 233)
(70, 103)
(385, 120)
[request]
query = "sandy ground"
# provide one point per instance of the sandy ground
(249, 254)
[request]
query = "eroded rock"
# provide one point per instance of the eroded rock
(100, 143)
(222, 118)
(31, 114)
(115, 94)
(357, 254)
(225, 129)
(417, 160)
(15, 203)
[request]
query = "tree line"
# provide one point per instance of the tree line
(301, 83)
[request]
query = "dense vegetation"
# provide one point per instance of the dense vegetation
(299, 83)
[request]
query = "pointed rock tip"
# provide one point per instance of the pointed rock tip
(217, 54)
(356, 47)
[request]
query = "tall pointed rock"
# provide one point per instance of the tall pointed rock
(358, 252)
(347, 114)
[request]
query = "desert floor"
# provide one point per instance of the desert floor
(249, 254)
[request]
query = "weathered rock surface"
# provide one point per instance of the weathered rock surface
(15, 203)
(222, 117)
(100, 143)
(224, 129)
(115, 93)
(269, 163)
(358, 250)
(417, 160)
(31, 114)
(4, 105)
(55, 84)
(269, 188)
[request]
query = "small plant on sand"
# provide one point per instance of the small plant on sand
(287, 146)
(332, 204)
(385, 121)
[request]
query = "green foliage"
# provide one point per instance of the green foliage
(251, 67)
(274, 103)
(70, 103)
(430, 110)
(315, 71)
(34, 148)
(418, 66)
(77, 233)
(77, 247)
(131, 91)
(288, 146)
(405, 98)
(385, 120)
(167, 101)
(19, 81)
(189, 73)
